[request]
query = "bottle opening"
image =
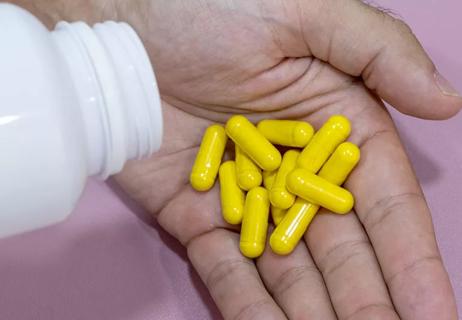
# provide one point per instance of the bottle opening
(115, 82)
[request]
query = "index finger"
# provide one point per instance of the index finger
(394, 213)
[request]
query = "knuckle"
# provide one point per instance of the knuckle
(226, 270)
(376, 134)
(293, 276)
(250, 310)
(387, 207)
(402, 26)
(408, 269)
(373, 310)
(342, 254)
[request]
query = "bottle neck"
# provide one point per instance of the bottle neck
(116, 91)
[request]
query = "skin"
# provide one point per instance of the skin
(295, 59)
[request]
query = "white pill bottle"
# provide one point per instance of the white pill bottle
(74, 102)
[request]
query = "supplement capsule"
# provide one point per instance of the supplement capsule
(288, 133)
(292, 227)
(268, 179)
(277, 214)
(248, 173)
(232, 197)
(280, 197)
(341, 163)
(253, 143)
(332, 133)
(255, 223)
(208, 159)
(317, 190)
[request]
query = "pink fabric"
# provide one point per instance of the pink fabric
(106, 263)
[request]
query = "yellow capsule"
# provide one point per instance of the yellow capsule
(292, 227)
(317, 190)
(294, 224)
(253, 143)
(280, 197)
(341, 163)
(248, 173)
(268, 178)
(332, 133)
(288, 133)
(208, 159)
(232, 197)
(255, 223)
(277, 214)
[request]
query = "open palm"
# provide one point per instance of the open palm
(297, 60)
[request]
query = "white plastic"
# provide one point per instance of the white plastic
(74, 102)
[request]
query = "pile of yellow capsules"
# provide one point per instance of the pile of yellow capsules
(296, 185)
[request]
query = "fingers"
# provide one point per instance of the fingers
(363, 41)
(296, 284)
(392, 209)
(195, 219)
(348, 264)
(232, 280)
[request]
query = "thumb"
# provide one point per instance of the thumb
(363, 41)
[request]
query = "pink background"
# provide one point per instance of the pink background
(105, 263)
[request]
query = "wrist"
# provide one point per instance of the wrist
(54, 11)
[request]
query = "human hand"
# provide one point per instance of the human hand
(301, 59)
(304, 60)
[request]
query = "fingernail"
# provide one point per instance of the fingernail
(445, 86)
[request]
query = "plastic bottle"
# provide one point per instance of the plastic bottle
(74, 102)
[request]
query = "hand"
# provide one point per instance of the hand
(303, 59)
